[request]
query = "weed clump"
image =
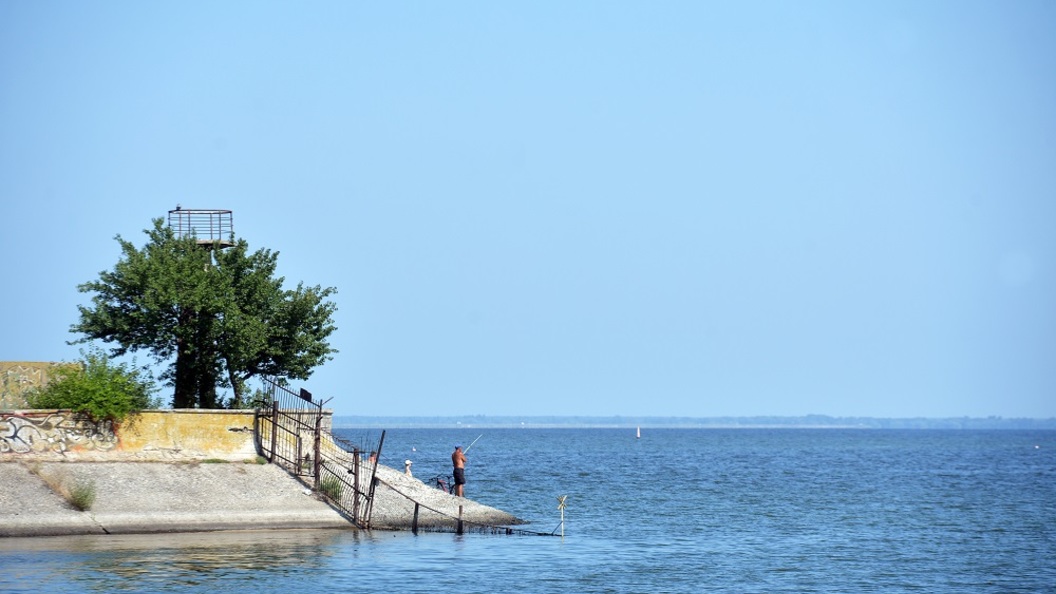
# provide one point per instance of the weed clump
(81, 495)
(332, 487)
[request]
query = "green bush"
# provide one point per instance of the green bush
(98, 388)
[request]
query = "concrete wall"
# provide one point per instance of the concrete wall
(149, 434)
(152, 434)
(18, 377)
(52, 431)
(193, 432)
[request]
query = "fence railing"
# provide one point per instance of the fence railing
(207, 225)
(290, 433)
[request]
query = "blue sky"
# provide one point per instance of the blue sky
(581, 208)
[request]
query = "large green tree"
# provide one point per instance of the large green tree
(216, 316)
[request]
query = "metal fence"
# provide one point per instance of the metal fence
(207, 225)
(290, 433)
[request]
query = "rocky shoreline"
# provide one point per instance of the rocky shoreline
(137, 496)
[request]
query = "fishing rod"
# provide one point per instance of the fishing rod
(471, 445)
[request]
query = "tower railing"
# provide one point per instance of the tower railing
(209, 226)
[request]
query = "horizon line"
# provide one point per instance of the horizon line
(701, 418)
(623, 422)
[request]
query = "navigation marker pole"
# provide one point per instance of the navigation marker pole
(561, 506)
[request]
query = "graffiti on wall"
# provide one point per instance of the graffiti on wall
(18, 377)
(54, 431)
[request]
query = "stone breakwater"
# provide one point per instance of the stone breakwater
(192, 496)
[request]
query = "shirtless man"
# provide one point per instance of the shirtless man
(458, 460)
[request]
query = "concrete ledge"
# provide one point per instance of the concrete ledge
(28, 507)
(135, 497)
(150, 475)
(142, 497)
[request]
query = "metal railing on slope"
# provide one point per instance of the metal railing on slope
(290, 433)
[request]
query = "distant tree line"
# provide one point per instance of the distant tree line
(808, 421)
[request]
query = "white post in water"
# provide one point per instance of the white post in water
(561, 506)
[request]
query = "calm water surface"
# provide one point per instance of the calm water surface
(676, 511)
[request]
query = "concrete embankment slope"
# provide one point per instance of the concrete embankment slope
(156, 473)
(138, 497)
(190, 496)
(397, 494)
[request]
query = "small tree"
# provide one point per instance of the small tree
(97, 388)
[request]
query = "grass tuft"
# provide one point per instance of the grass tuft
(81, 495)
(332, 487)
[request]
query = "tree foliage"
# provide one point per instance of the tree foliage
(216, 317)
(97, 387)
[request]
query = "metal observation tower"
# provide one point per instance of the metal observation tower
(209, 226)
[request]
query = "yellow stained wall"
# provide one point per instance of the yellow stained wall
(219, 433)
(18, 377)
(195, 433)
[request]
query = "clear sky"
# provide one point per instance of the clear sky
(569, 208)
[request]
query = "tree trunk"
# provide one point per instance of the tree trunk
(206, 375)
(185, 394)
(237, 387)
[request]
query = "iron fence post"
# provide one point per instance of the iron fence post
(316, 469)
(274, 430)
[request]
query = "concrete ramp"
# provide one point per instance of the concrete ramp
(143, 497)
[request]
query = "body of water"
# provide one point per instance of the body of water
(678, 510)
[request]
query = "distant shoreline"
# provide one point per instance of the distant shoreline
(621, 422)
